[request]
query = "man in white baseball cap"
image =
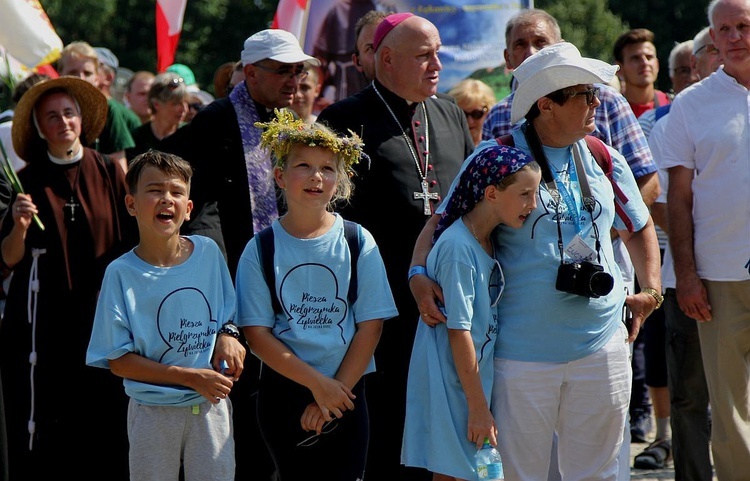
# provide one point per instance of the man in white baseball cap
(233, 191)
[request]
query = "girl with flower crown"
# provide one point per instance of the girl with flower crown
(315, 338)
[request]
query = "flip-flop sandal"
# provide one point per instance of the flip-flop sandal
(655, 456)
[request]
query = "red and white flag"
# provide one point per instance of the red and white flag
(291, 15)
(169, 15)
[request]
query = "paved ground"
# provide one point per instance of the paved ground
(648, 474)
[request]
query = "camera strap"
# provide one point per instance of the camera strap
(535, 145)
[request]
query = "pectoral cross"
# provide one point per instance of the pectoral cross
(426, 196)
(72, 205)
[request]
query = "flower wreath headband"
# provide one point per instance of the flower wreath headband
(282, 133)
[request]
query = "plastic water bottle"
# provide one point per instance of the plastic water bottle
(488, 462)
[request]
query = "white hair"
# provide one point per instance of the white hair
(682, 47)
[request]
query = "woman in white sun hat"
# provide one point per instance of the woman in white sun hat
(562, 358)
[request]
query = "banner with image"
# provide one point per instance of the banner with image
(472, 31)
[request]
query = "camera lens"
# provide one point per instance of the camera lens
(601, 283)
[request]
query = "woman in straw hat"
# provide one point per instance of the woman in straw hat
(78, 194)
(561, 356)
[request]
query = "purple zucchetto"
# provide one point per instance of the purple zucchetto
(386, 25)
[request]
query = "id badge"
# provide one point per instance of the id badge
(578, 250)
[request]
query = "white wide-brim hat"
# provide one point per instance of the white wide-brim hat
(553, 68)
(275, 44)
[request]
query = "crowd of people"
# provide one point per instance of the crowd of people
(284, 286)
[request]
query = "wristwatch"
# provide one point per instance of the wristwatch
(230, 329)
(655, 294)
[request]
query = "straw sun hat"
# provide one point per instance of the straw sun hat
(553, 68)
(93, 105)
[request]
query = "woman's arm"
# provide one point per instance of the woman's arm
(643, 248)
(427, 293)
(13, 246)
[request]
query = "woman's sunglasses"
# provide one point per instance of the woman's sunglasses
(477, 114)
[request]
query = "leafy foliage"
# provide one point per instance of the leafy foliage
(588, 24)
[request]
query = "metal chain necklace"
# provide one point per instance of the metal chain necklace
(425, 195)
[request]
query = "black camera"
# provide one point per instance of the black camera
(584, 279)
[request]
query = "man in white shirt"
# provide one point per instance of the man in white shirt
(706, 151)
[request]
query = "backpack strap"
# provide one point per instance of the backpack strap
(604, 159)
(266, 250)
(506, 139)
(351, 233)
(601, 154)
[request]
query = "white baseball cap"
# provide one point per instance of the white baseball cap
(275, 44)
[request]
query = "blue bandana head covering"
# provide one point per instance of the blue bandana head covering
(488, 166)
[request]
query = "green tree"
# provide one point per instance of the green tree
(588, 24)
(672, 21)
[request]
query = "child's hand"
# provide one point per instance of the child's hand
(312, 418)
(231, 351)
(333, 397)
(481, 425)
(210, 384)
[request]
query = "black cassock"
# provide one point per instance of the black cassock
(385, 203)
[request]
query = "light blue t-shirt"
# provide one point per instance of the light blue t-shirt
(167, 314)
(435, 438)
(536, 321)
(312, 282)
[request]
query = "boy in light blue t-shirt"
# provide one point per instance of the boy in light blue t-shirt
(159, 311)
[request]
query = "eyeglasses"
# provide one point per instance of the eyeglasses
(683, 71)
(710, 49)
(327, 428)
(497, 283)
(286, 71)
(589, 93)
(477, 113)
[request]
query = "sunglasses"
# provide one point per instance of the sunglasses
(175, 82)
(197, 106)
(286, 71)
(327, 428)
(590, 94)
(477, 114)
